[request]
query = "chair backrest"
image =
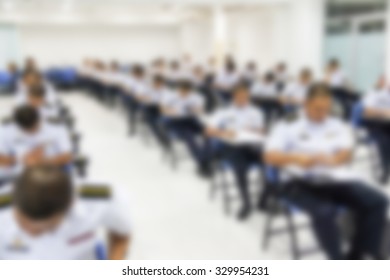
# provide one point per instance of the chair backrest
(357, 114)
(100, 251)
(271, 174)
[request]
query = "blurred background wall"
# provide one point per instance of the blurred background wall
(299, 32)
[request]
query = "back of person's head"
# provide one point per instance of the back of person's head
(334, 63)
(230, 66)
(158, 80)
(242, 86)
(251, 65)
(37, 91)
(184, 85)
(241, 94)
(138, 70)
(281, 66)
(319, 103)
(306, 74)
(26, 117)
(269, 77)
(175, 65)
(42, 192)
(31, 77)
(317, 90)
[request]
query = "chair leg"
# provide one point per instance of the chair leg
(225, 189)
(174, 158)
(293, 235)
(213, 185)
(267, 231)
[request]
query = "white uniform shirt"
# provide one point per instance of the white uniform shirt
(139, 87)
(238, 119)
(75, 239)
(54, 139)
(157, 96)
(263, 90)
(50, 96)
(377, 99)
(227, 79)
(184, 105)
(296, 91)
(337, 79)
(49, 112)
(305, 137)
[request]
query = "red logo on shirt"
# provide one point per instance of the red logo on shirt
(81, 238)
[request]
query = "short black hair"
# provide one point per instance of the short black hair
(43, 191)
(158, 79)
(184, 84)
(318, 90)
(138, 69)
(38, 91)
(26, 117)
(334, 62)
(241, 86)
(269, 77)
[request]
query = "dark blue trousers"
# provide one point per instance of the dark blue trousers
(380, 133)
(323, 201)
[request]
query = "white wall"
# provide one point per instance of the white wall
(58, 44)
(290, 31)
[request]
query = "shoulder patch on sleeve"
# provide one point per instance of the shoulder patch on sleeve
(54, 121)
(5, 201)
(291, 117)
(95, 191)
(7, 120)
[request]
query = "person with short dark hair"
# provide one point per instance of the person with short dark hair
(226, 80)
(152, 102)
(37, 99)
(250, 74)
(313, 152)
(240, 129)
(337, 80)
(43, 200)
(32, 78)
(376, 119)
(182, 112)
(264, 95)
(281, 76)
(29, 141)
(294, 94)
(135, 89)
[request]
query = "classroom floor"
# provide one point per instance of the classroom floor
(174, 217)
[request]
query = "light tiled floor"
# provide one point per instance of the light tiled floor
(173, 215)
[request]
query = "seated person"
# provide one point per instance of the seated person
(313, 153)
(36, 99)
(152, 101)
(376, 118)
(44, 216)
(281, 76)
(182, 111)
(33, 78)
(174, 74)
(227, 125)
(265, 95)
(29, 141)
(250, 73)
(294, 94)
(337, 80)
(226, 80)
(136, 88)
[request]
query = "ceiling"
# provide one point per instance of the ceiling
(117, 11)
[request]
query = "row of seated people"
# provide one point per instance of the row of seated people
(46, 210)
(313, 149)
